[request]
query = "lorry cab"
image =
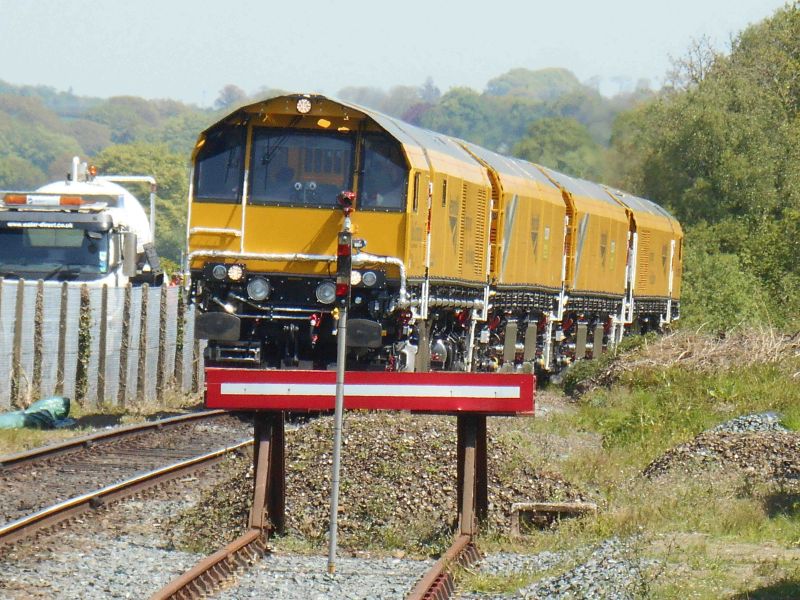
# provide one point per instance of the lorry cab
(90, 231)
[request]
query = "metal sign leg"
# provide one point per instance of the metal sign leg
(473, 504)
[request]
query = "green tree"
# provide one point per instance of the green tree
(544, 84)
(564, 145)
(128, 117)
(16, 173)
(719, 292)
(171, 172)
(31, 132)
(722, 147)
(461, 113)
(230, 97)
(180, 133)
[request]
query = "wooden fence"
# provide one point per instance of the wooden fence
(100, 346)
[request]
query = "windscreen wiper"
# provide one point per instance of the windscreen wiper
(63, 271)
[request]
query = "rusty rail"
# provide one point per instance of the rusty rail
(438, 583)
(69, 508)
(267, 513)
(207, 575)
(79, 443)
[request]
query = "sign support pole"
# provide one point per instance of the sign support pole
(341, 350)
(343, 271)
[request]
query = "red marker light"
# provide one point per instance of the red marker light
(342, 289)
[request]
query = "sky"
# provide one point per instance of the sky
(190, 49)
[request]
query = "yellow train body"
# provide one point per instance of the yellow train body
(457, 235)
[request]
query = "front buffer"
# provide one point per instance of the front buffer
(451, 393)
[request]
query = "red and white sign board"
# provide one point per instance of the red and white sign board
(484, 393)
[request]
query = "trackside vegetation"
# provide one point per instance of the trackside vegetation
(632, 436)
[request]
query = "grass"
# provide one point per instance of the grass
(652, 410)
(715, 534)
(499, 584)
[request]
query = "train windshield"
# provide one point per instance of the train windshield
(53, 253)
(300, 167)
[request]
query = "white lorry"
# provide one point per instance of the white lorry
(86, 229)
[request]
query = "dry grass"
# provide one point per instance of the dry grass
(705, 353)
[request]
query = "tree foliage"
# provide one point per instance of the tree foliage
(230, 97)
(171, 172)
(544, 84)
(721, 148)
(562, 144)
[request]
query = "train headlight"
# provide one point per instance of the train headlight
(219, 272)
(355, 277)
(303, 106)
(369, 278)
(235, 272)
(326, 292)
(258, 288)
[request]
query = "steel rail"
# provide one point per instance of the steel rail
(62, 511)
(438, 583)
(79, 443)
(207, 575)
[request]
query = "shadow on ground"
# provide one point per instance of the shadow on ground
(101, 420)
(780, 590)
(785, 504)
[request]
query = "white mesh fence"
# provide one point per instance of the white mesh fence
(54, 354)
(8, 301)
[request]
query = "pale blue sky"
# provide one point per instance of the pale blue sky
(189, 49)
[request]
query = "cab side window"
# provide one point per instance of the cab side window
(385, 175)
(219, 167)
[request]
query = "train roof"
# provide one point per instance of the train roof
(580, 187)
(427, 141)
(640, 204)
(508, 165)
(405, 133)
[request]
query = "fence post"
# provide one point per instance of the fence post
(62, 339)
(102, 347)
(179, 335)
(141, 379)
(38, 341)
(124, 345)
(162, 344)
(16, 360)
(197, 364)
(84, 346)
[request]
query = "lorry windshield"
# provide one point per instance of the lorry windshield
(300, 167)
(53, 253)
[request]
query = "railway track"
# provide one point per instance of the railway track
(47, 486)
(77, 444)
(438, 583)
(211, 573)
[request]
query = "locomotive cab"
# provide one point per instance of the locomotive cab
(263, 227)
